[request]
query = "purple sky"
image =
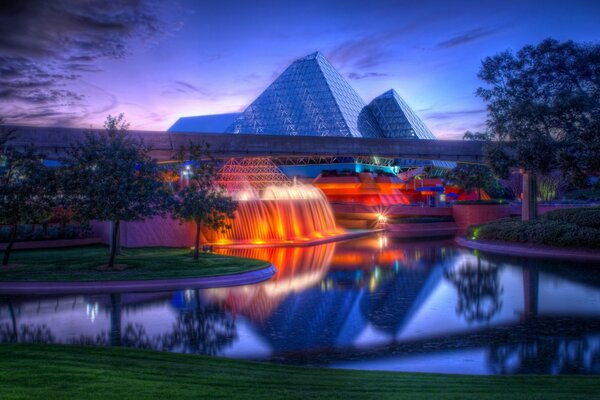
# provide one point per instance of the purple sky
(73, 62)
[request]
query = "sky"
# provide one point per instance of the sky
(73, 62)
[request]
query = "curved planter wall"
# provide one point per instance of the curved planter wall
(467, 215)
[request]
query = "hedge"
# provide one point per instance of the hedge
(575, 227)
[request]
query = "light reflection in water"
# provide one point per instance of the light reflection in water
(370, 303)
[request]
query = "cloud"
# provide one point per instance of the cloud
(358, 75)
(446, 115)
(45, 46)
(467, 37)
(187, 87)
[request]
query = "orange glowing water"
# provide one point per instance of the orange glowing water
(281, 214)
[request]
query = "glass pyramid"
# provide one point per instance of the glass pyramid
(310, 98)
(396, 119)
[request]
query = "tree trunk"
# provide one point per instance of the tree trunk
(529, 203)
(115, 236)
(114, 242)
(115, 319)
(13, 318)
(197, 242)
(12, 238)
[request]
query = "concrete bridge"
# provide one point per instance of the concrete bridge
(53, 142)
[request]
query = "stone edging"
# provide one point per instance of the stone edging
(99, 287)
(517, 249)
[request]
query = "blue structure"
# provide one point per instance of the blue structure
(204, 123)
(311, 98)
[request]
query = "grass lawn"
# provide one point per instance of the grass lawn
(80, 264)
(62, 372)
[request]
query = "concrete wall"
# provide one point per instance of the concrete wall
(467, 215)
(157, 231)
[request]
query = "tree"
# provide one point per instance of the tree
(475, 176)
(113, 178)
(27, 187)
(200, 200)
(543, 109)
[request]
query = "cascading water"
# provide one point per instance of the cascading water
(282, 214)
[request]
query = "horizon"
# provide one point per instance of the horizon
(70, 64)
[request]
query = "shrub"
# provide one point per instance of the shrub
(576, 227)
(28, 233)
(481, 202)
(585, 217)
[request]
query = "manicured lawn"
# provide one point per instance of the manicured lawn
(61, 372)
(80, 264)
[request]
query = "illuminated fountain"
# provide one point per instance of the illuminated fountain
(271, 208)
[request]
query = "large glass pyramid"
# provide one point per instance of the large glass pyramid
(396, 119)
(310, 98)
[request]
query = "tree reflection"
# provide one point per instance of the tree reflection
(29, 333)
(478, 288)
(547, 356)
(204, 330)
(25, 333)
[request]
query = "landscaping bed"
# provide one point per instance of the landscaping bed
(60, 372)
(571, 227)
(82, 264)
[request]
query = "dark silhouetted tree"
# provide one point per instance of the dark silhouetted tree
(27, 187)
(544, 108)
(113, 178)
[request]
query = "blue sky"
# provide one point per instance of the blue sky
(71, 63)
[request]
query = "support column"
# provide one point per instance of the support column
(531, 286)
(529, 206)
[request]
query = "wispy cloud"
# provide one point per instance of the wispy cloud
(46, 46)
(446, 115)
(469, 36)
(364, 75)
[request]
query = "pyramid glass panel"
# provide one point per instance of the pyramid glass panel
(310, 98)
(397, 119)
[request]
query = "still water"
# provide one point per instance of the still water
(371, 303)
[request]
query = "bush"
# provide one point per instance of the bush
(494, 202)
(584, 194)
(28, 233)
(585, 217)
(575, 227)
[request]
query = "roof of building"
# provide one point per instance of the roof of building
(215, 123)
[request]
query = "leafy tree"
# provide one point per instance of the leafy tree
(473, 176)
(113, 178)
(27, 187)
(200, 200)
(544, 108)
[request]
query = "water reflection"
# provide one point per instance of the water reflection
(372, 303)
(478, 287)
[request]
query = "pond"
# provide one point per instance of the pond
(371, 303)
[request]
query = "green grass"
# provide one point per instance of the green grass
(80, 263)
(62, 372)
